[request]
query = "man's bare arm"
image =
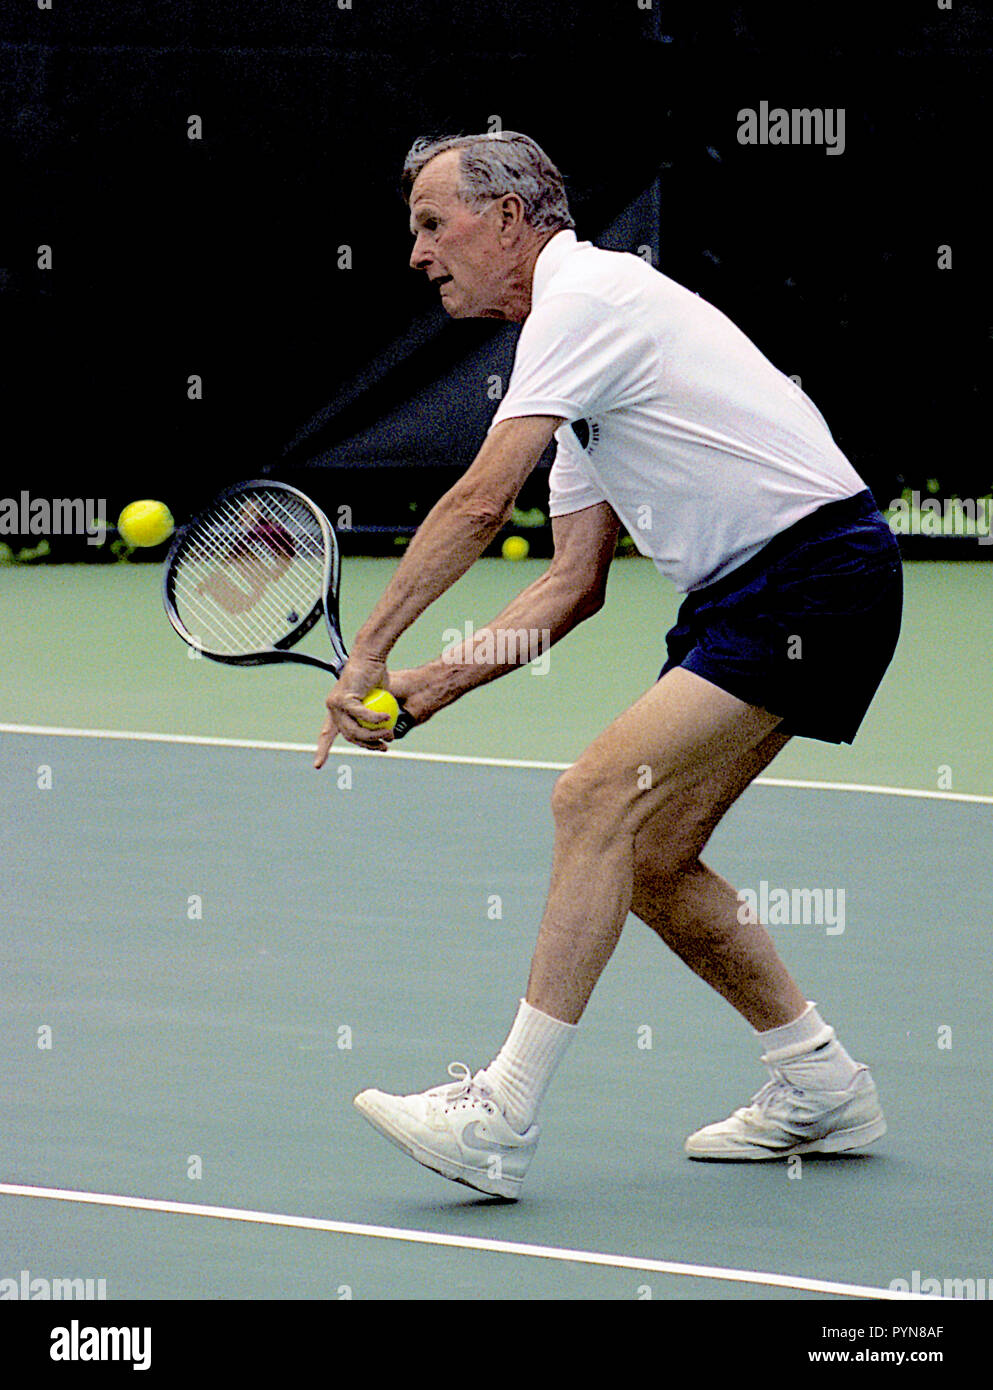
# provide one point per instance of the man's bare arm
(452, 537)
(457, 530)
(571, 590)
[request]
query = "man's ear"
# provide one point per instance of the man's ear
(511, 214)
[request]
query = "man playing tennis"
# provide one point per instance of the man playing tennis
(663, 412)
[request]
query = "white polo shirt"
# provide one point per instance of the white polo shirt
(701, 446)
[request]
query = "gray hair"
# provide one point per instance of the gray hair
(492, 165)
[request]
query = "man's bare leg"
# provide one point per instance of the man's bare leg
(819, 1098)
(690, 749)
(697, 918)
(629, 817)
(698, 914)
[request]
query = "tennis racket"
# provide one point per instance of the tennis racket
(248, 577)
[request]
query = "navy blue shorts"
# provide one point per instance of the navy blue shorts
(805, 628)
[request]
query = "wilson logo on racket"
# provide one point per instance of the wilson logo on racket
(263, 556)
(256, 575)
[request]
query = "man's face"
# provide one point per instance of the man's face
(459, 249)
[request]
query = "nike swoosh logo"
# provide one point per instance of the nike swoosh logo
(474, 1140)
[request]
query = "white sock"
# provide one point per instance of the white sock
(808, 1054)
(522, 1070)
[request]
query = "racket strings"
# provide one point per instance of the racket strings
(250, 572)
(231, 603)
(240, 580)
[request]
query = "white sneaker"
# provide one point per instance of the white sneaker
(458, 1130)
(783, 1120)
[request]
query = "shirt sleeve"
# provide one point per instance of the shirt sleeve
(570, 485)
(578, 357)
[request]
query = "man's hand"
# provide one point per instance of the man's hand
(423, 690)
(571, 590)
(345, 708)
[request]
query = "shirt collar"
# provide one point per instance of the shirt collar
(550, 257)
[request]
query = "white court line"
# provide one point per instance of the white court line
(973, 797)
(215, 742)
(211, 741)
(498, 1247)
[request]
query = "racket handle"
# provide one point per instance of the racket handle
(404, 724)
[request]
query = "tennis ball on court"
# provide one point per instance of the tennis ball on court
(381, 702)
(145, 523)
(515, 548)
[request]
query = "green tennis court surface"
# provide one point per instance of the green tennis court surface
(88, 645)
(211, 948)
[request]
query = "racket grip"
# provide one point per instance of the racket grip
(404, 724)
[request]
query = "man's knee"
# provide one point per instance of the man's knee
(667, 849)
(602, 803)
(570, 792)
(665, 889)
(668, 868)
(594, 797)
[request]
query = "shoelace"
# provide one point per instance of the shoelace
(463, 1078)
(465, 1087)
(774, 1089)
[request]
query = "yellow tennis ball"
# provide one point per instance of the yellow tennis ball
(145, 523)
(381, 702)
(515, 548)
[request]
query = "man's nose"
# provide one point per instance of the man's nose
(420, 257)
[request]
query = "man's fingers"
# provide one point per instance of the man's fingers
(362, 714)
(325, 739)
(353, 716)
(343, 718)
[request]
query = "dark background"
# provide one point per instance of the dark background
(219, 257)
